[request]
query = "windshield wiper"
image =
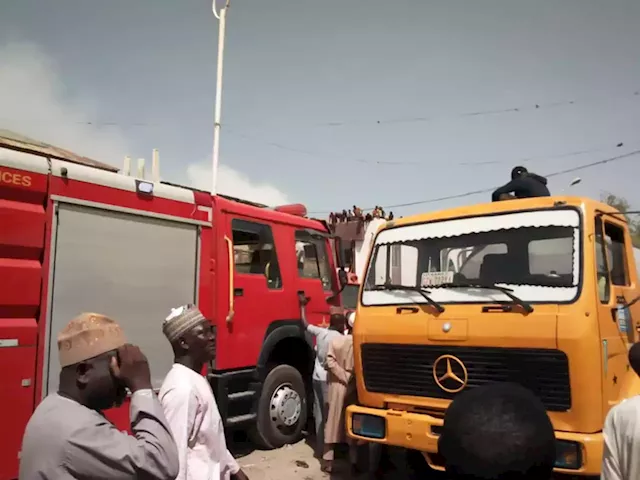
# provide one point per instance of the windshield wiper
(490, 286)
(421, 291)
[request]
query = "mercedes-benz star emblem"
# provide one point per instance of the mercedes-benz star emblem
(446, 327)
(450, 374)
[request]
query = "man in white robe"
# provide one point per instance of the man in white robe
(188, 401)
(69, 438)
(319, 376)
(621, 455)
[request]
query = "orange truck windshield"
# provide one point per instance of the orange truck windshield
(535, 254)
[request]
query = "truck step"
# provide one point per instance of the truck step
(234, 397)
(240, 420)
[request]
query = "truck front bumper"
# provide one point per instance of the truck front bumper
(578, 453)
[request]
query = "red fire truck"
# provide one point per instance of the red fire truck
(77, 236)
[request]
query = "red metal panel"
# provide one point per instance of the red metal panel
(22, 186)
(20, 295)
(111, 196)
(17, 371)
(21, 227)
(119, 416)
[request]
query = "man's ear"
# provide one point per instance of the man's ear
(83, 370)
(183, 343)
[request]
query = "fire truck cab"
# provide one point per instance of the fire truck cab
(77, 236)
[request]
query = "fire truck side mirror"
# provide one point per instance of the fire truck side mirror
(342, 276)
(337, 245)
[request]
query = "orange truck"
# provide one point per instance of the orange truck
(541, 291)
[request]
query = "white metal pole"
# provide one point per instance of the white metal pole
(155, 166)
(222, 17)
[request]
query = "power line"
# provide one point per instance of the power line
(488, 190)
(413, 119)
(324, 155)
(474, 113)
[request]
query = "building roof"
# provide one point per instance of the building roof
(15, 141)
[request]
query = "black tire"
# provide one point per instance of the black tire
(266, 433)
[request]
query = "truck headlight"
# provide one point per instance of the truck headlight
(369, 426)
(568, 455)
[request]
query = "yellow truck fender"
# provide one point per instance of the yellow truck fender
(630, 385)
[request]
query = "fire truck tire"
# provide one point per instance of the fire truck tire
(282, 408)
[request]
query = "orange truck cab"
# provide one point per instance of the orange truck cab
(540, 291)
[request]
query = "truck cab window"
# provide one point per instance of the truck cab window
(616, 254)
(602, 271)
(255, 251)
(313, 259)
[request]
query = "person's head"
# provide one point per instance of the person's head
(518, 172)
(86, 347)
(191, 335)
(498, 431)
(337, 320)
(634, 358)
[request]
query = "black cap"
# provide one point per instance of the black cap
(518, 171)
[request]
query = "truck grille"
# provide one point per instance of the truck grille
(408, 370)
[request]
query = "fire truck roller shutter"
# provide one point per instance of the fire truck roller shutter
(134, 268)
(284, 369)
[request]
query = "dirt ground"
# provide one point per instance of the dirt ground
(297, 462)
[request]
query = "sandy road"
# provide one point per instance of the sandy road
(297, 462)
(292, 462)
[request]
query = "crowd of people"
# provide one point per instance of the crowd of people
(498, 431)
(356, 213)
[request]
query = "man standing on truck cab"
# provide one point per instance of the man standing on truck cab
(188, 401)
(523, 185)
(497, 431)
(68, 437)
(621, 432)
(319, 377)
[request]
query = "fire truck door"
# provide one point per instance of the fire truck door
(315, 274)
(132, 267)
(258, 294)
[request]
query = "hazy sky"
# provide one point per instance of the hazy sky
(331, 102)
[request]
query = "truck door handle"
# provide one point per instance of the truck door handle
(302, 298)
(497, 308)
(407, 309)
(238, 292)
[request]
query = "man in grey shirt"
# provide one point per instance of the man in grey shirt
(69, 438)
(323, 339)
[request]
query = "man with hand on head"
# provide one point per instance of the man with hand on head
(188, 401)
(69, 438)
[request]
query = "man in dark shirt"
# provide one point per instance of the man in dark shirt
(523, 185)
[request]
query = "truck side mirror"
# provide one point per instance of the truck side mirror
(337, 245)
(342, 276)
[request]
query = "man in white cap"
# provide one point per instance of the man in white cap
(188, 401)
(341, 392)
(319, 376)
(68, 437)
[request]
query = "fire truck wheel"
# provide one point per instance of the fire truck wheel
(282, 408)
